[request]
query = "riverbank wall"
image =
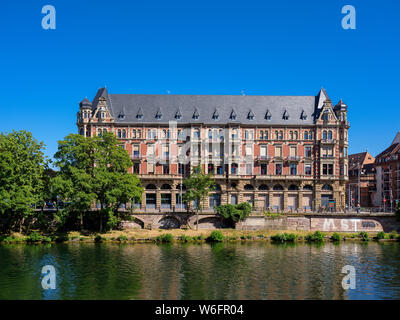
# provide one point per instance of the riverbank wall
(328, 222)
(334, 222)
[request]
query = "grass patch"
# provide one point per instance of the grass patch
(284, 237)
(165, 238)
(317, 236)
(215, 236)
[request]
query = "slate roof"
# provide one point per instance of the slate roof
(206, 106)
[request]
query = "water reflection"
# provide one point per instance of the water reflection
(201, 271)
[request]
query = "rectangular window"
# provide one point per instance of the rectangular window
(249, 169)
(211, 168)
(278, 169)
(249, 150)
(136, 168)
(293, 169)
(278, 151)
(165, 169)
(307, 169)
(220, 170)
(263, 151)
(307, 152)
(293, 151)
(135, 149)
(327, 169)
(264, 168)
(181, 168)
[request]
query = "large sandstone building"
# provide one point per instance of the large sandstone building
(279, 153)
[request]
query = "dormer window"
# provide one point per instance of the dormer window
(158, 114)
(139, 116)
(250, 115)
(268, 115)
(121, 116)
(285, 115)
(233, 115)
(195, 115)
(215, 115)
(303, 115)
(178, 115)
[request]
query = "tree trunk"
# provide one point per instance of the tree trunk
(81, 223)
(197, 219)
(101, 218)
(21, 222)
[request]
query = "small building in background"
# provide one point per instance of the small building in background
(388, 175)
(361, 176)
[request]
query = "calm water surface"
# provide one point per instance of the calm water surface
(200, 271)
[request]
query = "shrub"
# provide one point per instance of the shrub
(98, 239)
(200, 237)
(393, 234)
(122, 238)
(185, 238)
(315, 237)
(46, 239)
(364, 236)
(165, 238)
(380, 235)
(34, 237)
(61, 238)
(234, 213)
(336, 237)
(216, 236)
(285, 237)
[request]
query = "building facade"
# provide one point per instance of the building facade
(279, 153)
(388, 176)
(361, 185)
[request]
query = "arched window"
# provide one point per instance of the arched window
(310, 135)
(324, 135)
(248, 187)
(327, 187)
(81, 131)
(293, 187)
(305, 135)
(266, 135)
(99, 132)
(330, 135)
(276, 135)
(165, 187)
(281, 135)
(119, 133)
(217, 187)
(209, 134)
(291, 135)
(133, 133)
(151, 187)
(233, 185)
(308, 187)
(124, 133)
(263, 187)
(296, 135)
(139, 133)
(278, 187)
(261, 134)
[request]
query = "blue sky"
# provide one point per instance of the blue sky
(199, 47)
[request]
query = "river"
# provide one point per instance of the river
(248, 270)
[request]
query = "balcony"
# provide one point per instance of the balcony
(136, 156)
(264, 158)
(284, 177)
(293, 159)
(328, 141)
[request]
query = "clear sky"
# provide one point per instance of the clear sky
(199, 47)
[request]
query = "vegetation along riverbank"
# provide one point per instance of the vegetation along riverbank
(184, 236)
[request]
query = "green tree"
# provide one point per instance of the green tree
(95, 170)
(22, 166)
(234, 213)
(198, 186)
